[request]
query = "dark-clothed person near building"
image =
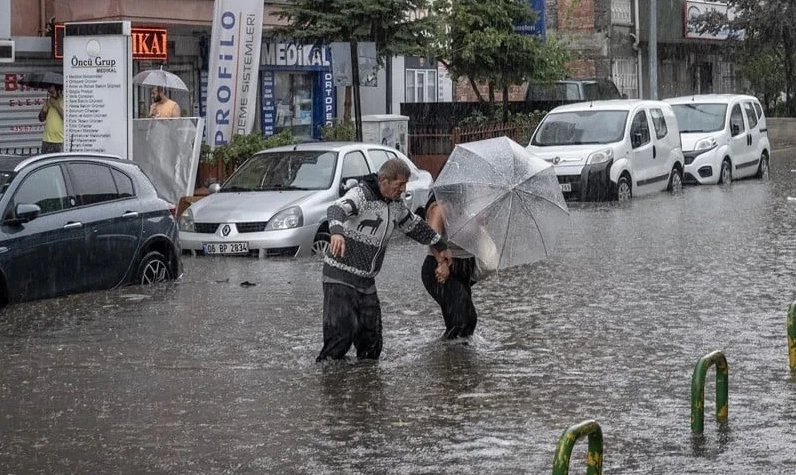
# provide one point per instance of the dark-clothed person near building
(450, 282)
(361, 223)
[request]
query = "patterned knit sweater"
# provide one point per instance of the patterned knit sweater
(366, 220)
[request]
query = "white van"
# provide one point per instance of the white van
(724, 136)
(611, 150)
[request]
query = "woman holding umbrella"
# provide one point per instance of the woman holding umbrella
(450, 282)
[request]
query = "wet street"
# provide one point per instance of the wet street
(209, 376)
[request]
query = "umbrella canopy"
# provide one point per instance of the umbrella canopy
(159, 78)
(500, 203)
(42, 80)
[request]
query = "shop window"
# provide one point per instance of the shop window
(625, 76)
(620, 12)
(421, 85)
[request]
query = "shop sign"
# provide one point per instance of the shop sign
(692, 9)
(148, 43)
(328, 99)
(97, 89)
(268, 118)
(538, 27)
(287, 55)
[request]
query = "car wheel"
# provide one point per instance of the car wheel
(764, 171)
(676, 181)
(623, 190)
(320, 244)
(725, 176)
(154, 268)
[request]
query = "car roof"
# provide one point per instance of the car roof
(607, 104)
(326, 147)
(709, 98)
(26, 161)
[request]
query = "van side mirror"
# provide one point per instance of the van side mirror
(735, 129)
(23, 213)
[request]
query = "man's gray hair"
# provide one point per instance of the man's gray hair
(394, 168)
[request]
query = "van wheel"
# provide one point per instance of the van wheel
(320, 244)
(623, 190)
(676, 181)
(764, 171)
(154, 268)
(725, 176)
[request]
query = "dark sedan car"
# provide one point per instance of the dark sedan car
(75, 222)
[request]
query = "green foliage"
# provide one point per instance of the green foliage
(339, 131)
(479, 43)
(242, 147)
(387, 22)
(527, 122)
(762, 39)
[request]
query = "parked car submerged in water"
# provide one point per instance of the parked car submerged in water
(275, 204)
(611, 150)
(724, 137)
(75, 222)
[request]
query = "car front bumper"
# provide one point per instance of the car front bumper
(284, 242)
(702, 167)
(587, 182)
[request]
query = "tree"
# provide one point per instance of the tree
(757, 29)
(396, 26)
(478, 42)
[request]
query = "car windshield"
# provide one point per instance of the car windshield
(581, 127)
(5, 180)
(693, 118)
(294, 170)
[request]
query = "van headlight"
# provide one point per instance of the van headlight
(186, 221)
(286, 219)
(600, 156)
(706, 144)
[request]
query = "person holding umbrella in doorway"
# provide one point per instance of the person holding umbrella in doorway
(162, 107)
(52, 114)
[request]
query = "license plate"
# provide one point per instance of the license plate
(226, 248)
(566, 187)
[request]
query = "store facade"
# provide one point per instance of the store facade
(297, 88)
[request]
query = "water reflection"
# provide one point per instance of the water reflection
(209, 376)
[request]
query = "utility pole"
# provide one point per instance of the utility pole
(653, 49)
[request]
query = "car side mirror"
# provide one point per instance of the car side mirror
(735, 129)
(347, 185)
(213, 188)
(24, 213)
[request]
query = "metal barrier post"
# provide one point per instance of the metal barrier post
(594, 457)
(698, 390)
(792, 336)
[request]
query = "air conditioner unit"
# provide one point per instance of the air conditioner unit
(6, 51)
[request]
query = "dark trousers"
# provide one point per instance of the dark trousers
(350, 317)
(51, 147)
(454, 297)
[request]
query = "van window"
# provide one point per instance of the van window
(639, 130)
(736, 121)
(659, 122)
(759, 110)
(751, 115)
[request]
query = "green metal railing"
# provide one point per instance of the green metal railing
(792, 336)
(594, 457)
(698, 390)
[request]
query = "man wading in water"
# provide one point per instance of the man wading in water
(361, 223)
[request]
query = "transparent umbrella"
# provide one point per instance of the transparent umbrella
(159, 78)
(42, 80)
(500, 203)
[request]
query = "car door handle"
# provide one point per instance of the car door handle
(130, 214)
(73, 225)
(654, 152)
(3, 250)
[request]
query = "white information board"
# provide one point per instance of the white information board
(97, 88)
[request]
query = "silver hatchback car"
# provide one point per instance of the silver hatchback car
(275, 203)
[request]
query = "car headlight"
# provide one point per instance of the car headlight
(705, 144)
(286, 219)
(600, 156)
(186, 221)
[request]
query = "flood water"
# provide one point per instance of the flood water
(209, 376)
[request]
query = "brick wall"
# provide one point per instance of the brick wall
(464, 92)
(575, 15)
(582, 68)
